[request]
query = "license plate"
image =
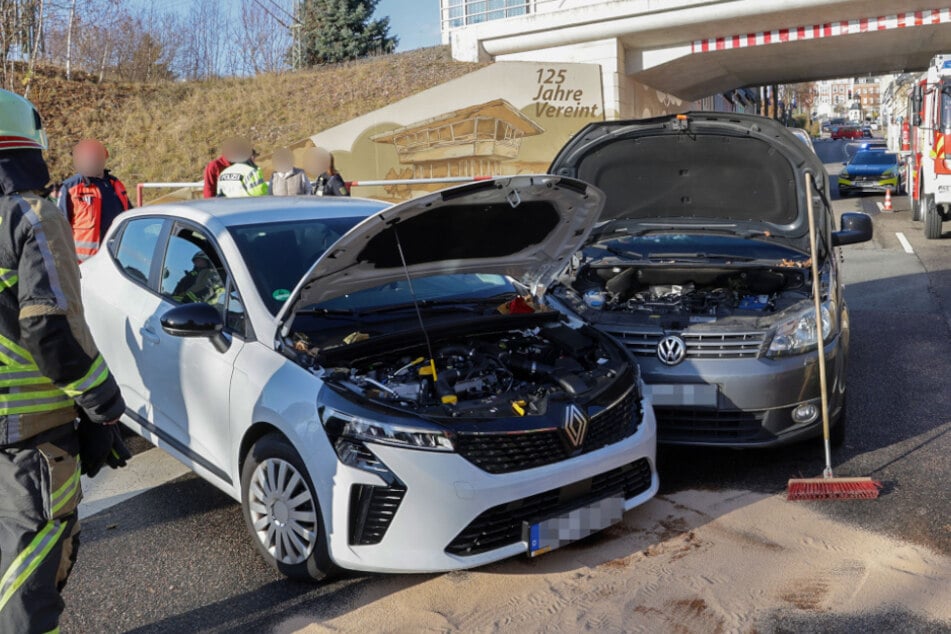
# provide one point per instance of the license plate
(554, 532)
(697, 395)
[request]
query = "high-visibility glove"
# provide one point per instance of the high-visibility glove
(100, 445)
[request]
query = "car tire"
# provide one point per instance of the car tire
(931, 218)
(274, 485)
(837, 431)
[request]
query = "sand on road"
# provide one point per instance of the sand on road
(694, 561)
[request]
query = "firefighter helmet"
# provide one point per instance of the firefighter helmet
(20, 125)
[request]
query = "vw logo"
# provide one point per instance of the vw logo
(576, 425)
(671, 350)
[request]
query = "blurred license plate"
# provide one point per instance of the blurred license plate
(698, 395)
(555, 532)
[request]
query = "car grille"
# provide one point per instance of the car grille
(733, 345)
(372, 509)
(506, 452)
(502, 525)
(708, 425)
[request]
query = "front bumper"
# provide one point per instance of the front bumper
(755, 398)
(881, 185)
(445, 494)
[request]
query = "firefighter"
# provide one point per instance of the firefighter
(49, 368)
(201, 284)
(327, 180)
(92, 198)
(243, 178)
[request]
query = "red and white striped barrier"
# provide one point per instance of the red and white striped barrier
(141, 187)
(828, 29)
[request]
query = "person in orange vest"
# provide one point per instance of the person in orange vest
(92, 198)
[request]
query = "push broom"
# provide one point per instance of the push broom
(827, 487)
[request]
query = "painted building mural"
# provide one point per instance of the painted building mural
(507, 118)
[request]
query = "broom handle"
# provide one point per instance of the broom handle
(820, 340)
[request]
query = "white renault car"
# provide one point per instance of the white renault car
(370, 381)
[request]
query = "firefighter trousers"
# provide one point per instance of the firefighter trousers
(39, 528)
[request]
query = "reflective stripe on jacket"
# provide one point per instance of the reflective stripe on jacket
(82, 201)
(48, 360)
(242, 180)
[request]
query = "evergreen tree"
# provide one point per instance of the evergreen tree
(340, 30)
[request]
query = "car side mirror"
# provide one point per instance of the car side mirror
(855, 228)
(196, 320)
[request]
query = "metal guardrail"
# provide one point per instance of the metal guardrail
(141, 187)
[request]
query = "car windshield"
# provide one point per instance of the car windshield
(697, 246)
(436, 288)
(279, 253)
(874, 158)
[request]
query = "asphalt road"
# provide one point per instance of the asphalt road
(177, 557)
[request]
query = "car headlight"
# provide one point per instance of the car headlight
(798, 334)
(844, 175)
(345, 426)
(891, 172)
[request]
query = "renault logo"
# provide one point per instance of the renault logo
(671, 350)
(576, 425)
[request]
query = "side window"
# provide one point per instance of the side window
(137, 247)
(193, 271)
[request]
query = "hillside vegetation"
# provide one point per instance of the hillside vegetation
(168, 131)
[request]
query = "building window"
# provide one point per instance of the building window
(460, 13)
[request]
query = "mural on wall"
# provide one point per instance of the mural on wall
(507, 118)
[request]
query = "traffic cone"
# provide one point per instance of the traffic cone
(888, 200)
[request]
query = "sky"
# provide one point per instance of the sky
(416, 22)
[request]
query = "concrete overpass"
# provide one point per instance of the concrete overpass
(691, 49)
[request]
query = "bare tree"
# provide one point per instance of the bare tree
(263, 37)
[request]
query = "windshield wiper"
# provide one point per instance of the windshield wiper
(700, 256)
(621, 253)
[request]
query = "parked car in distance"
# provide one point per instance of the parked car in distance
(712, 293)
(872, 170)
(369, 381)
(846, 132)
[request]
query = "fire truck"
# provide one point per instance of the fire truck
(929, 136)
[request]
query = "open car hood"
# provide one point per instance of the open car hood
(704, 170)
(525, 227)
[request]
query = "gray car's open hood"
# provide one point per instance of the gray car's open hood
(720, 171)
(525, 227)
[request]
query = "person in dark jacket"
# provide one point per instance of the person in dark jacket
(91, 199)
(50, 370)
(319, 163)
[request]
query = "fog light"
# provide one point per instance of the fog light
(805, 413)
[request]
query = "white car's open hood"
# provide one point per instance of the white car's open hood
(525, 227)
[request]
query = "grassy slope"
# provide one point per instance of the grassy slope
(167, 132)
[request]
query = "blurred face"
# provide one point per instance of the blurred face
(236, 150)
(89, 159)
(283, 160)
(316, 161)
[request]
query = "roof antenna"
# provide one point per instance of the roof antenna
(446, 399)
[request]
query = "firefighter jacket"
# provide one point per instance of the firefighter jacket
(48, 361)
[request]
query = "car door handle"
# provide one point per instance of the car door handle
(149, 335)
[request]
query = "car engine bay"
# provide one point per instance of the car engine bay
(675, 297)
(495, 374)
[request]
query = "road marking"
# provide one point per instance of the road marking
(904, 242)
(881, 207)
(145, 471)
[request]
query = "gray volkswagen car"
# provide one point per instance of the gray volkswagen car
(700, 265)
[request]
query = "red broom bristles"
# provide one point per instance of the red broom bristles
(833, 489)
